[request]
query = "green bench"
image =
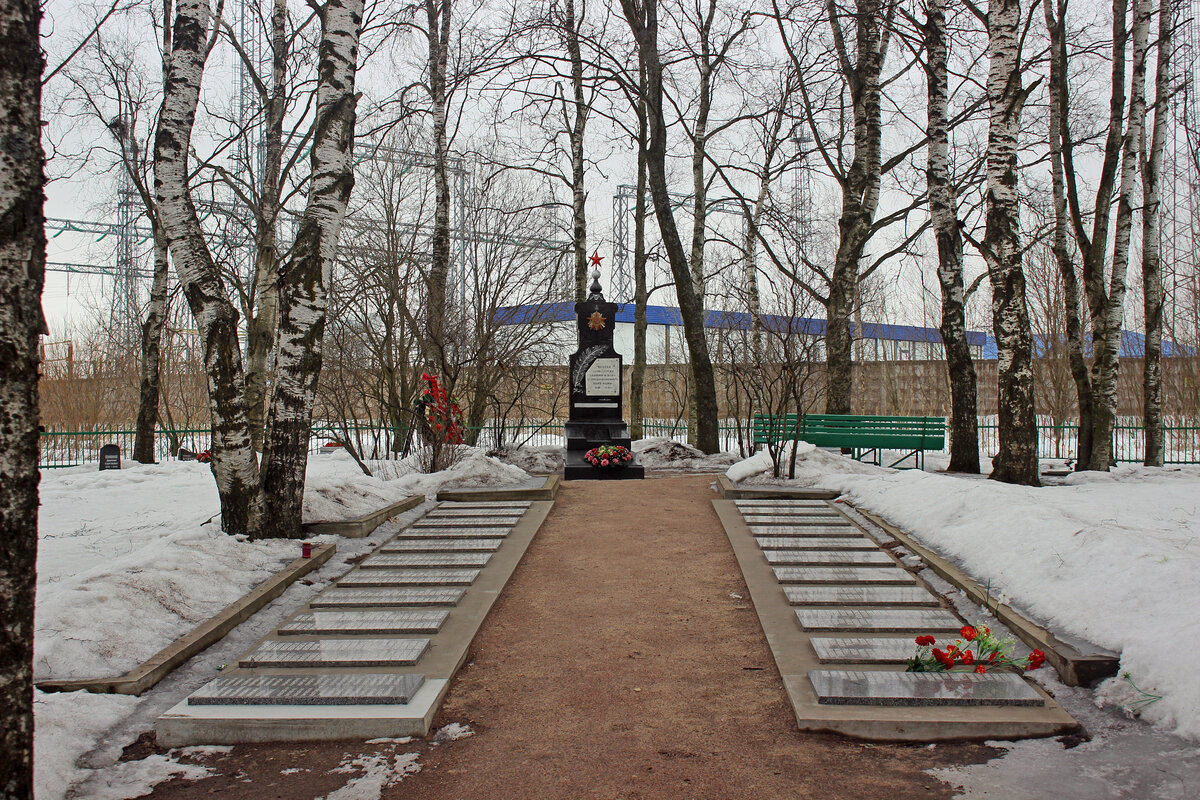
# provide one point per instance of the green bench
(861, 434)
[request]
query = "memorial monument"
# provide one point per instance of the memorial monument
(596, 382)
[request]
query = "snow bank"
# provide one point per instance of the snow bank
(543, 459)
(760, 464)
(1109, 557)
(68, 725)
(664, 454)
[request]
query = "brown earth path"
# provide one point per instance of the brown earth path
(623, 660)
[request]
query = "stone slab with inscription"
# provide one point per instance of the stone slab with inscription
(424, 560)
(817, 518)
(333, 623)
(816, 543)
(823, 558)
(439, 532)
(443, 545)
(861, 596)
(854, 687)
(833, 576)
(879, 620)
(839, 529)
(408, 577)
(773, 505)
(863, 650)
(387, 597)
(321, 690)
(336, 653)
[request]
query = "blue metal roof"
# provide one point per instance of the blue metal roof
(1133, 345)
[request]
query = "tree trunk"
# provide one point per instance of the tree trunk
(305, 284)
(645, 31)
(234, 464)
(860, 188)
(577, 122)
(641, 293)
(943, 211)
(438, 13)
(152, 328)
(260, 331)
(1072, 300)
(22, 267)
(1152, 284)
(1107, 318)
(1017, 461)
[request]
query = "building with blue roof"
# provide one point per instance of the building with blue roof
(875, 342)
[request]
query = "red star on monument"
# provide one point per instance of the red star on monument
(596, 258)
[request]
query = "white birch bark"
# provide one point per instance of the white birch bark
(234, 463)
(576, 122)
(1152, 284)
(438, 14)
(1016, 461)
(1107, 319)
(22, 266)
(304, 289)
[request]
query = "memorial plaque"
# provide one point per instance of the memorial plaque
(879, 620)
(364, 623)
(465, 522)
(110, 457)
(408, 577)
(861, 596)
(833, 576)
(824, 558)
(454, 511)
(422, 532)
(484, 505)
(424, 560)
(305, 690)
(774, 504)
(816, 543)
(341, 597)
(851, 687)
(603, 378)
(822, 518)
(412, 545)
(841, 529)
(882, 650)
(336, 653)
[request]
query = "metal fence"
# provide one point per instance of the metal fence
(68, 448)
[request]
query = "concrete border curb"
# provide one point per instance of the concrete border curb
(546, 491)
(363, 526)
(159, 665)
(794, 657)
(1076, 668)
(730, 491)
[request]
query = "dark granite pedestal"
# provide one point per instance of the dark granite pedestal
(597, 377)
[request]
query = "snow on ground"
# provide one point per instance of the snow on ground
(1111, 558)
(67, 726)
(379, 771)
(659, 453)
(542, 459)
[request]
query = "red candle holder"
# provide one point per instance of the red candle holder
(306, 550)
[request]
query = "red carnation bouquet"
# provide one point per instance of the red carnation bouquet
(609, 456)
(977, 651)
(441, 411)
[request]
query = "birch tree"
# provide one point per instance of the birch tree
(1152, 280)
(943, 212)
(234, 463)
(304, 286)
(1017, 460)
(22, 267)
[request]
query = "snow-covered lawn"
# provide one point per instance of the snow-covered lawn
(1112, 558)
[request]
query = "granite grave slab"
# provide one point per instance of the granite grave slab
(503, 523)
(879, 620)
(336, 653)
(816, 543)
(770, 504)
(365, 623)
(837, 529)
(325, 690)
(822, 558)
(408, 577)
(833, 576)
(424, 560)
(853, 687)
(486, 505)
(793, 519)
(861, 596)
(407, 544)
(341, 597)
(861, 650)
(454, 532)
(444, 512)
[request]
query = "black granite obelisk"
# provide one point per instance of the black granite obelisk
(596, 382)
